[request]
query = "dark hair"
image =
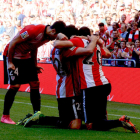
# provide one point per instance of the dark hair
(114, 14)
(59, 26)
(101, 24)
(107, 18)
(117, 24)
(84, 31)
(123, 41)
(70, 30)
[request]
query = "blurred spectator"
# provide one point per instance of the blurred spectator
(102, 33)
(2, 29)
(114, 54)
(16, 14)
(108, 23)
(123, 53)
(136, 53)
(128, 15)
(134, 33)
(110, 43)
(123, 31)
(123, 19)
(10, 29)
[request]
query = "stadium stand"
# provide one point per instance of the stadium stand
(122, 16)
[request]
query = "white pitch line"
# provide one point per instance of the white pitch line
(30, 104)
(122, 115)
(56, 107)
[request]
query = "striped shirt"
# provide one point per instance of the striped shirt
(66, 84)
(90, 67)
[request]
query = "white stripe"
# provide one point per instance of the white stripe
(130, 36)
(84, 109)
(7, 70)
(122, 115)
(87, 69)
(62, 89)
(74, 109)
(57, 107)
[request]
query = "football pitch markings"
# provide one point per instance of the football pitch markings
(56, 107)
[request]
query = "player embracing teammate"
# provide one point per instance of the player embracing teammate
(78, 63)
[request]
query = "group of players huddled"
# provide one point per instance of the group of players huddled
(82, 87)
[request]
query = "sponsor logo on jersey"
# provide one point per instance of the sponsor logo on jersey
(24, 35)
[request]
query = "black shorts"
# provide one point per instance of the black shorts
(95, 103)
(24, 73)
(69, 109)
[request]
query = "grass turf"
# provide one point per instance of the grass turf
(22, 106)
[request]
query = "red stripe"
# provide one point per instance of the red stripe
(95, 70)
(69, 86)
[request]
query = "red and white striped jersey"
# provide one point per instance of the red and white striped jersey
(66, 84)
(35, 37)
(90, 67)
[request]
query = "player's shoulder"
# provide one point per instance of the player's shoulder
(33, 27)
(32, 30)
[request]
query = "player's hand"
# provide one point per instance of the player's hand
(61, 36)
(11, 66)
(39, 69)
(93, 38)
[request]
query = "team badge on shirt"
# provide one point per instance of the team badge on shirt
(24, 35)
(12, 78)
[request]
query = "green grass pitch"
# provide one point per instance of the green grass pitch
(22, 106)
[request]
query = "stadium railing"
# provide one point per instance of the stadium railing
(47, 60)
(105, 59)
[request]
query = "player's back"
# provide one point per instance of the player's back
(64, 77)
(34, 36)
(90, 69)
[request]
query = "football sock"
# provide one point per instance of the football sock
(9, 99)
(48, 120)
(35, 99)
(106, 124)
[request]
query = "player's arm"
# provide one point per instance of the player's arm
(107, 53)
(16, 40)
(90, 48)
(73, 51)
(34, 57)
(62, 44)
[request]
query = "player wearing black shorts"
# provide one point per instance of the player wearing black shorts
(67, 92)
(20, 63)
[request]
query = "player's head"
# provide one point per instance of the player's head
(57, 27)
(84, 31)
(70, 30)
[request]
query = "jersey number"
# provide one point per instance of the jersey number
(14, 71)
(86, 60)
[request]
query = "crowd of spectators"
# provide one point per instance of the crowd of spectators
(115, 21)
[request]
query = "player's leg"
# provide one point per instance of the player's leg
(36, 103)
(8, 102)
(70, 112)
(10, 77)
(100, 122)
(35, 95)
